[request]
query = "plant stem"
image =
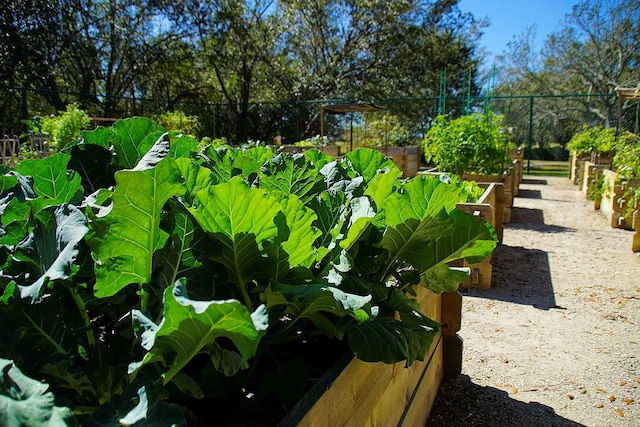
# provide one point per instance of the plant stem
(144, 299)
(82, 309)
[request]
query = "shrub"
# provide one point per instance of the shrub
(66, 126)
(381, 130)
(477, 143)
(592, 140)
(179, 122)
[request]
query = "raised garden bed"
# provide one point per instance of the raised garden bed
(490, 207)
(407, 159)
(382, 394)
(615, 203)
(510, 188)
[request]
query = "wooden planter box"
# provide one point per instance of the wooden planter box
(613, 204)
(635, 243)
(590, 173)
(510, 188)
(377, 394)
(407, 159)
(490, 207)
(577, 165)
(331, 150)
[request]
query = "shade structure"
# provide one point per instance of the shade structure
(344, 109)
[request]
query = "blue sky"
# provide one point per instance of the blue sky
(509, 18)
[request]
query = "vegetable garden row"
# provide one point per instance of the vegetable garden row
(605, 167)
(148, 279)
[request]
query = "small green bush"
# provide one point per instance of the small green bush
(477, 143)
(66, 126)
(626, 160)
(382, 130)
(592, 140)
(178, 121)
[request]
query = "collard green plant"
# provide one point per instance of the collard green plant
(27, 402)
(477, 143)
(139, 272)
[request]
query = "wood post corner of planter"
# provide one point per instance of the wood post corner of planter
(452, 343)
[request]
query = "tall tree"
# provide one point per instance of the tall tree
(30, 49)
(596, 50)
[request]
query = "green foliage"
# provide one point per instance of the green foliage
(626, 162)
(381, 129)
(476, 143)
(626, 159)
(592, 140)
(139, 271)
(66, 126)
(26, 402)
(179, 122)
(315, 141)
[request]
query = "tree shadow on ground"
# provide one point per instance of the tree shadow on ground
(460, 402)
(519, 275)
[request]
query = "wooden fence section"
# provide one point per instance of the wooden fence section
(13, 145)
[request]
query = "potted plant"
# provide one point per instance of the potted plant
(147, 279)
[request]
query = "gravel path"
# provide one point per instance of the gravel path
(556, 341)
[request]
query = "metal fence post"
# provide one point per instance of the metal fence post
(530, 143)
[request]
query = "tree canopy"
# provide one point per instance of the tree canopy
(109, 53)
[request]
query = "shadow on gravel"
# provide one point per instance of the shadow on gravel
(460, 402)
(530, 194)
(520, 275)
(533, 181)
(533, 219)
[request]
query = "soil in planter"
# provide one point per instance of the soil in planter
(267, 391)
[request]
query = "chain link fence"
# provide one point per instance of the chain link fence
(541, 123)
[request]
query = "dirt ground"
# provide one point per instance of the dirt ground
(556, 341)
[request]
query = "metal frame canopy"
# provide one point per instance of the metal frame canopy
(344, 109)
(626, 94)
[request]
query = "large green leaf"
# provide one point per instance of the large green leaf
(241, 219)
(54, 247)
(15, 220)
(182, 146)
(313, 302)
(38, 333)
(388, 340)
(190, 327)
(130, 140)
(473, 239)
(124, 241)
(367, 163)
(292, 252)
(250, 161)
(7, 182)
(221, 162)
(195, 177)
(292, 174)
(52, 182)
(424, 231)
(26, 402)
